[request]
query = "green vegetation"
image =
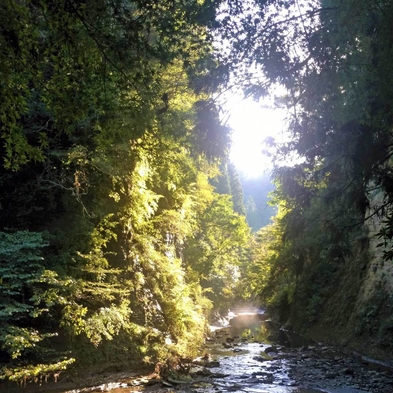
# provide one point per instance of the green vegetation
(334, 58)
(257, 192)
(113, 242)
(123, 223)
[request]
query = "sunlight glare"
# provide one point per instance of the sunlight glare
(251, 124)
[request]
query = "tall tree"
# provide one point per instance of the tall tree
(257, 196)
(331, 56)
(108, 131)
(236, 190)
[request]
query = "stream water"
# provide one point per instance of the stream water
(259, 357)
(253, 355)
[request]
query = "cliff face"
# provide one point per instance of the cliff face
(373, 309)
(353, 305)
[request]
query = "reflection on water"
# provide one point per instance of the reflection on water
(250, 351)
(248, 354)
(247, 350)
(257, 327)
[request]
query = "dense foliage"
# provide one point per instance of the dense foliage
(257, 192)
(114, 245)
(122, 223)
(334, 58)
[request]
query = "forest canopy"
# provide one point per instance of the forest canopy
(334, 200)
(113, 241)
(122, 223)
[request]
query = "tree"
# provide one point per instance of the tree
(29, 293)
(236, 190)
(218, 249)
(333, 68)
(109, 131)
(257, 195)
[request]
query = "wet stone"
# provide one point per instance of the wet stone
(349, 371)
(268, 380)
(244, 376)
(296, 365)
(212, 364)
(253, 380)
(260, 359)
(262, 374)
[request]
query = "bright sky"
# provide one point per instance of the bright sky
(251, 123)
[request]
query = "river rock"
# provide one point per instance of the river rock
(271, 349)
(268, 380)
(253, 380)
(262, 374)
(349, 371)
(204, 373)
(259, 359)
(212, 364)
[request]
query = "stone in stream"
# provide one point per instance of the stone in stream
(204, 373)
(268, 380)
(349, 371)
(269, 350)
(212, 364)
(253, 380)
(260, 359)
(262, 374)
(244, 376)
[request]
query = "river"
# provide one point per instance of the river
(253, 355)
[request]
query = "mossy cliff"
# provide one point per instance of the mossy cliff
(349, 304)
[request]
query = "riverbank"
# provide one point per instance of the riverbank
(346, 341)
(251, 354)
(100, 378)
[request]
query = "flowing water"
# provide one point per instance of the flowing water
(262, 358)
(253, 355)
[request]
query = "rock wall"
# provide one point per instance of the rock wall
(380, 273)
(374, 305)
(358, 311)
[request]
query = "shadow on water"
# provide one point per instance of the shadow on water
(259, 328)
(253, 355)
(253, 345)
